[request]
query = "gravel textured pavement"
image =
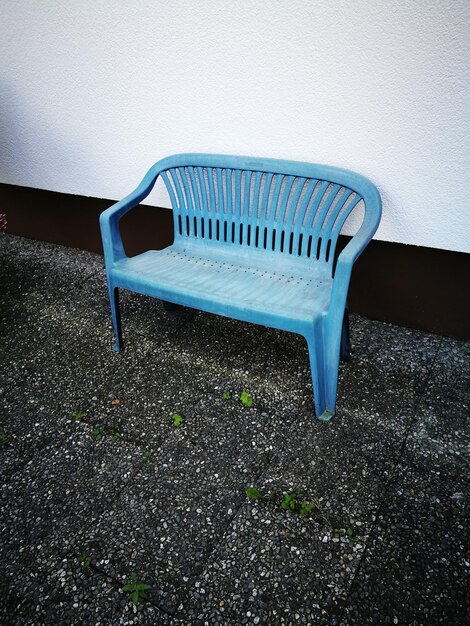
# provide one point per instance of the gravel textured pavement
(98, 484)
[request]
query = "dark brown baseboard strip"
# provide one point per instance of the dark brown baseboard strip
(424, 288)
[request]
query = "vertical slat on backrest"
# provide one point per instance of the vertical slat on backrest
(324, 203)
(177, 186)
(336, 191)
(246, 193)
(302, 235)
(237, 208)
(202, 187)
(310, 218)
(212, 203)
(197, 217)
(350, 202)
(327, 243)
(228, 204)
(171, 191)
(261, 225)
(272, 212)
(328, 221)
(227, 175)
(291, 215)
(220, 190)
(177, 226)
(187, 196)
(312, 210)
(188, 201)
(280, 245)
(203, 200)
(263, 213)
(251, 219)
(220, 221)
(282, 211)
(182, 214)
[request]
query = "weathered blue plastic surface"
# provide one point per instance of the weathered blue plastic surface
(255, 240)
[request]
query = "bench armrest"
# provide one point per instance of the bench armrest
(109, 220)
(348, 256)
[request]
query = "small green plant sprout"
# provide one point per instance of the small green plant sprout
(293, 501)
(290, 501)
(78, 415)
(146, 459)
(246, 399)
(177, 420)
(137, 590)
(226, 395)
(306, 507)
(3, 438)
(115, 432)
(253, 494)
(85, 561)
(98, 433)
(347, 532)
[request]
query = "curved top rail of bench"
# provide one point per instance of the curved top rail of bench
(343, 177)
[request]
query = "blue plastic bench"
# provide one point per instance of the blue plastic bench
(255, 240)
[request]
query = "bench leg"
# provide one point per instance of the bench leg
(345, 339)
(324, 362)
(116, 317)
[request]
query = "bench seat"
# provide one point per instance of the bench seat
(262, 290)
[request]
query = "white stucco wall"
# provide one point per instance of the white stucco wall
(93, 92)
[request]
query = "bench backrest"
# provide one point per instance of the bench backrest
(286, 207)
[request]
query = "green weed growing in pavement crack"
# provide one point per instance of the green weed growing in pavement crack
(346, 532)
(115, 432)
(253, 494)
(85, 561)
(226, 395)
(3, 438)
(246, 399)
(136, 589)
(177, 420)
(306, 507)
(78, 415)
(290, 501)
(295, 502)
(97, 433)
(146, 459)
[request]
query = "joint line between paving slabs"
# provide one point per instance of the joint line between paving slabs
(390, 480)
(220, 540)
(84, 280)
(118, 584)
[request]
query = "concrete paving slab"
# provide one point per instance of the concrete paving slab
(442, 430)
(34, 275)
(415, 570)
(174, 512)
(60, 590)
(260, 571)
(64, 490)
(418, 551)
